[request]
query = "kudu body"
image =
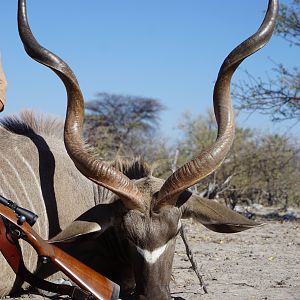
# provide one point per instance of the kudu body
(118, 219)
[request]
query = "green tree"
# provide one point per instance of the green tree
(122, 125)
(288, 23)
(260, 168)
(277, 174)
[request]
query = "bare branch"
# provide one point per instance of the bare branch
(278, 97)
(190, 255)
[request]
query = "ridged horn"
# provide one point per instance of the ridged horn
(209, 160)
(91, 167)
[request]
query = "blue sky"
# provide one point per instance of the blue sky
(168, 49)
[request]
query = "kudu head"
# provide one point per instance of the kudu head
(148, 210)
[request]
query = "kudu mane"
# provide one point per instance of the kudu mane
(133, 168)
(32, 124)
(35, 125)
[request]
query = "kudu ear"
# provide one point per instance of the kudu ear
(213, 215)
(96, 220)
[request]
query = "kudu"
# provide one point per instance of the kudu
(119, 219)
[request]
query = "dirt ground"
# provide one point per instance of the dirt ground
(258, 264)
(261, 263)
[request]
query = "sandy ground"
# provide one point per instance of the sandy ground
(262, 263)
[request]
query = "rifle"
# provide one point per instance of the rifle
(16, 223)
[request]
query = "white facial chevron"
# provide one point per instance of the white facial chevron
(152, 256)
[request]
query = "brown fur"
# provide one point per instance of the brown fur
(134, 169)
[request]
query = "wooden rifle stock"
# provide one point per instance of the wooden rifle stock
(101, 287)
